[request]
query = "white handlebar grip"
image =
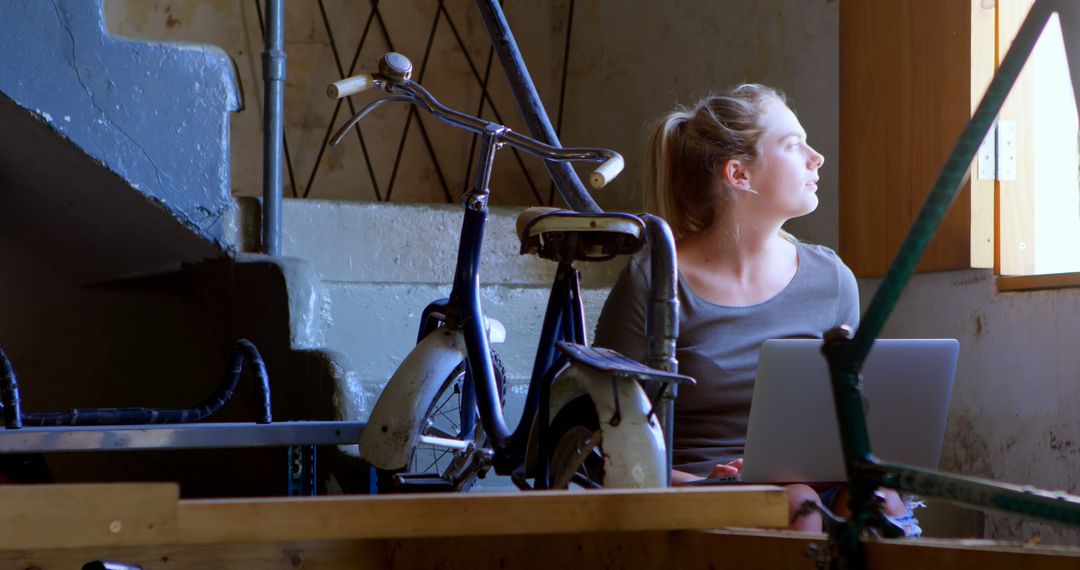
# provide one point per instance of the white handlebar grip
(349, 86)
(606, 172)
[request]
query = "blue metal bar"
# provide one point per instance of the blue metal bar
(466, 297)
(10, 389)
(662, 321)
(273, 125)
(177, 436)
(570, 186)
(243, 351)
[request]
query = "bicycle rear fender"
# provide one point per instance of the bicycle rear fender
(388, 439)
(634, 446)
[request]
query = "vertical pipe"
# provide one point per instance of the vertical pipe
(9, 386)
(566, 180)
(273, 124)
(662, 321)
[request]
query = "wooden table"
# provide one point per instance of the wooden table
(63, 526)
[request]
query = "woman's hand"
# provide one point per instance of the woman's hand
(729, 469)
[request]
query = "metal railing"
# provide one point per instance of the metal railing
(375, 23)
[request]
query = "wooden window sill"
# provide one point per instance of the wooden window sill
(1035, 282)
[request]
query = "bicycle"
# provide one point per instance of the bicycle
(586, 418)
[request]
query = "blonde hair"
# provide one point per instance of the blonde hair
(689, 146)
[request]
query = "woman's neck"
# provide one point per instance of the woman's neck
(737, 265)
(740, 249)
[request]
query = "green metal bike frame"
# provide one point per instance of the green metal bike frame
(845, 353)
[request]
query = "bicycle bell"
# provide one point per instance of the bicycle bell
(395, 67)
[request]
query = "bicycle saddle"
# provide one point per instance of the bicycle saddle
(559, 235)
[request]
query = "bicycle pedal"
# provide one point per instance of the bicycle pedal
(421, 483)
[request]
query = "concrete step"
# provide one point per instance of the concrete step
(120, 151)
(381, 264)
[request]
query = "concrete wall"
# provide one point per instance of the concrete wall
(1013, 415)
(154, 114)
(233, 25)
(632, 64)
(629, 63)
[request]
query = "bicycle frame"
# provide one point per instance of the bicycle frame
(392, 433)
(845, 354)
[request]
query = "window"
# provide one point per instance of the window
(1042, 240)
(908, 86)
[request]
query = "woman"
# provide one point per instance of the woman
(726, 174)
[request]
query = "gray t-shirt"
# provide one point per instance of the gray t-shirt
(718, 345)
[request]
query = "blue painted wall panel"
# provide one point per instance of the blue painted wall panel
(156, 114)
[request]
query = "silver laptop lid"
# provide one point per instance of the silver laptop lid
(793, 435)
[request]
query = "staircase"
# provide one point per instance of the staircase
(379, 265)
(128, 269)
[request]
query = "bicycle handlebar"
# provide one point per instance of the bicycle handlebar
(420, 98)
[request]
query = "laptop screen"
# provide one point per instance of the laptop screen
(793, 434)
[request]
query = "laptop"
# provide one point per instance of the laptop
(793, 435)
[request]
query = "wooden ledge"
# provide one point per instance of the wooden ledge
(75, 516)
(476, 514)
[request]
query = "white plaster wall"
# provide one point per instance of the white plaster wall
(1014, 408)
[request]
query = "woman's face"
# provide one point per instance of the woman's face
(784, 176)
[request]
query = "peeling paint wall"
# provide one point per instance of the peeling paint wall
(1013, 415)
(155, 114)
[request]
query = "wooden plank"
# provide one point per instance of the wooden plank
(1017, 197)
(753, 550)
(905, 96)
(974, 554)
(1033, 282)
(71, 516)
(348, 555)
(983, 65)
(447, 514)
(660, 550)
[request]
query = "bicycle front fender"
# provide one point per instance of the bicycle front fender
(632, 441)
(388, 439)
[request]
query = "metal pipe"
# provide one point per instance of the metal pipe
(9, 400)
(273, 125)
(662, 321)
(466, 296)
(244, 351)
(566, 180)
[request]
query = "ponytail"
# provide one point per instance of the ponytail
(688, 147)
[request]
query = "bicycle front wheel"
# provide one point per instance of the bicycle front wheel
(451, 445)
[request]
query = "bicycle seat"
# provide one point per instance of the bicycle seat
(559, 235)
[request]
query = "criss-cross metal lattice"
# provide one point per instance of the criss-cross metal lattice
(485, 103)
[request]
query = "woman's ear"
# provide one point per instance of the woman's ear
(736, 174)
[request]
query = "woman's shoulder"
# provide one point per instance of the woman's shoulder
(819, 253)
(820, 258)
